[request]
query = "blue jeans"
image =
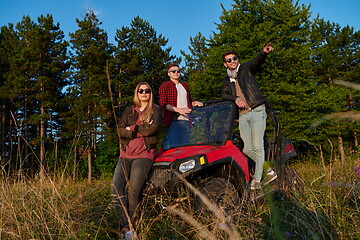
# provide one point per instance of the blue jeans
(252, 129)
(134, 173)
(178, 134)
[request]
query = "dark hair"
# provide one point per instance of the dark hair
(172, 65)
(228, 53)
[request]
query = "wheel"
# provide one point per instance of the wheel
(221, 192)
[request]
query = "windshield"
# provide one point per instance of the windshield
(211, 124)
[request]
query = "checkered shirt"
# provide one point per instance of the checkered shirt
(168, 95)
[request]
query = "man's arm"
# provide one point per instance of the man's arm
(163, 102)
(182, 111)
(229, 97)
(226, 93)
(255, 65)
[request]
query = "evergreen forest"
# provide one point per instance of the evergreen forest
(60, 99)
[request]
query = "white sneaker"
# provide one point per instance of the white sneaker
(270, 176)
(255, 185)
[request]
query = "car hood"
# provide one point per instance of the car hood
(211, 151)
(183, 152)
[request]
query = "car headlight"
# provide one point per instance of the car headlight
(186, 166)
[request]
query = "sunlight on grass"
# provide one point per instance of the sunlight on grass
(326, 208)
(55, 210)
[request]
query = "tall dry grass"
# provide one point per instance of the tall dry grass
(325, 207)
(56, 208)
(333, 190)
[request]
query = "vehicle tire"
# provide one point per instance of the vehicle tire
(221, 192)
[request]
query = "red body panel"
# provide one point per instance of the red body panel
(213, 153)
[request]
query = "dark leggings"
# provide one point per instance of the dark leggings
(134, 172)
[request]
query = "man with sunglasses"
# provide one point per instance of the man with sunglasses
(241, 87)
(176, 100)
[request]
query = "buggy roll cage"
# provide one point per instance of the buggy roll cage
(274, 147)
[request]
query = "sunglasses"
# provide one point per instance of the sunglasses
(174, 71)
(141, 91)
(231, 59)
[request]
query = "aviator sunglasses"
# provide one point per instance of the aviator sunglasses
(144, 90)
(174, 71)
(231, 59)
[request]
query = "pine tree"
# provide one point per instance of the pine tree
(51, 78)
(288, 78)
(335, 54)
(141, 55)
(8, 43)
(36, 74)
(285, 78)
(195, 69)
(89, 99)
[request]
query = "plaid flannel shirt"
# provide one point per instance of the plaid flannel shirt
(168, 95)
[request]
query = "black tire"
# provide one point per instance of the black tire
(221, 192)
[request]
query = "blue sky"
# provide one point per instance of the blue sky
(175, 20)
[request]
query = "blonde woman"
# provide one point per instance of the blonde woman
(139, 126)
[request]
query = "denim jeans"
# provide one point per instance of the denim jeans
(252, 129)
(178, 134)
(134, 173)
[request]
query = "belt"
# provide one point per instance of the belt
(250, 109)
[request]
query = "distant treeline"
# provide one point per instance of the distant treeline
(60, 99)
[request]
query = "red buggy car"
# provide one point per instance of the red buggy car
(212, 160)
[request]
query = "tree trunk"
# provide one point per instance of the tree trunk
(341, 150)
(25, 134)
(89, 142)
(75, 163)
(42, 145)
(56, 156)
(19, 159)
(112, 102)
(12, 141)
(89, 167)
(356, 142)
(2, 151)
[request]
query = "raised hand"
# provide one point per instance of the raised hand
(268, 48)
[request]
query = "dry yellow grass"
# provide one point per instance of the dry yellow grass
(55, 208)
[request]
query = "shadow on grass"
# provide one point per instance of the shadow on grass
(279, 215)
(289, 219)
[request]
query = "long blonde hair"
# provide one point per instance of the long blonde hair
(148, 111)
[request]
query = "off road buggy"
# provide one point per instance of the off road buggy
(212, 160)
